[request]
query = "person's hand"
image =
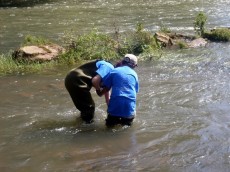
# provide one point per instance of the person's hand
(99, 93)
(102, 91)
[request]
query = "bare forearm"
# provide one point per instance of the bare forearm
(107, 97)
(96, 82)
(102, 91)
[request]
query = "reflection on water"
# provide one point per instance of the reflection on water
(182, 121)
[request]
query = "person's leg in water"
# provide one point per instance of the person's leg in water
(115, 120)
(81, 97)
(86, 105)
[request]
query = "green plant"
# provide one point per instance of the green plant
(164, 29)
(9, 66)
(88, 46)
(35, 40)
(137, 42)
(182, 44)
(220, 34)
(93, 45)
(199, 24)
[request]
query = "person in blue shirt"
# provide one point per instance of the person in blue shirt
(79, 82)
(123, 81)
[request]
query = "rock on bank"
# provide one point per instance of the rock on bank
(38, 53)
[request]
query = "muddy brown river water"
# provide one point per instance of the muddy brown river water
(182, 121)
(183, 107)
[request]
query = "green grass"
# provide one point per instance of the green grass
(35, 40)
(182, 45)
(199, 24)
(83, 47)
(9, 66)
(220, 34)
(97, 45)
(93, 45)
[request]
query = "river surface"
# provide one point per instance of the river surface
(52, 18)
(182, 123)
(183, 107)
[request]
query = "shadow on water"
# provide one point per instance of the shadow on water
(23, 3)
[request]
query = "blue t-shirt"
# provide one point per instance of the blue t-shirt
(124, 83)
(103, 68)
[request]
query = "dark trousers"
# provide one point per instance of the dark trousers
(114, 120)
(78, 84)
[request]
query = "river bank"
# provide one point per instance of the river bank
(35, 54)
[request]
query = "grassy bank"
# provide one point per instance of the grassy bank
(9, 66)
(93, 45)
(97, 45)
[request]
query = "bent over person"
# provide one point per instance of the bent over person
(79, 82)
(123, 81)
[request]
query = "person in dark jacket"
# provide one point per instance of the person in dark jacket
(79, 82)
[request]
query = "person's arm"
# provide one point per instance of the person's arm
(96, 81)
(107, 97)
(102, 91)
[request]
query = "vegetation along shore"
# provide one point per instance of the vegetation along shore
(95, 45)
